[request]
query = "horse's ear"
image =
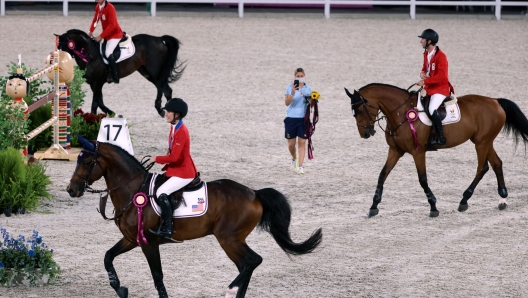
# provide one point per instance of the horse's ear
(85, 143)
(348, 93)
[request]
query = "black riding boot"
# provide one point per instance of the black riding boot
(165, 228)
(437, 122)
(113, 76)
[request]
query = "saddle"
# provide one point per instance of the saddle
(117, 51)
(176, 198)
(426, 100)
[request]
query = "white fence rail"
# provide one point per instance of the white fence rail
(497, 4)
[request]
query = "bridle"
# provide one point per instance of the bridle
(370, 127)
(365, 105)
(86, 184)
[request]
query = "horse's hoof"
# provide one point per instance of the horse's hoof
(503, 206)
(373, 212)
(462, 208)
(434, 213)
(122, 292)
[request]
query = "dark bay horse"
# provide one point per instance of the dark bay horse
(233, 212)
(482, 120)
(156, 58)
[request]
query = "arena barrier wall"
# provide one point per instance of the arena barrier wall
(498, 4)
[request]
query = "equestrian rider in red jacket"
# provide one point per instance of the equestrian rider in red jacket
(178, 163)
(435, 78)
(112, 33)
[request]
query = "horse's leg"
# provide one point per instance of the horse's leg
(95, 99)
(496, 165)
(246, 261)
(157, 102)
(163, 89)
(392, 158)
(482, 169)
(120, 247)
(97, 89)
(151, 252)
(419, 161)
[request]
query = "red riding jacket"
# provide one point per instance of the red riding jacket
(438, 80)
(108, 17)
(179, 162)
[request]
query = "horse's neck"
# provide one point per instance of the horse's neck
(126, 186)
(390, 102)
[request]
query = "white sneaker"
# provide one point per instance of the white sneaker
(300, 170)
(294, 163)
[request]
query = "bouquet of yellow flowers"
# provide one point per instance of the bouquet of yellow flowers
(315, 95)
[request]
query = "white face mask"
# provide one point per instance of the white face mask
(301, 80)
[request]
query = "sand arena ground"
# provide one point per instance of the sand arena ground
(236, 73)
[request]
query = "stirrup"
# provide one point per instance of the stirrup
(159, 234)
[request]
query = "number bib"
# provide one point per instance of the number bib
(115, 131)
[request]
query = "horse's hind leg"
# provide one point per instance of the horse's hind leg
(392, 158)
(482, 169)
(496, 165)
(157, 102)
(151, 252)
(246, 261)
(120, 247)
(97, 89)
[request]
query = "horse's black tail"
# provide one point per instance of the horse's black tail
(516, 122)
(173, 70)
(276, 220)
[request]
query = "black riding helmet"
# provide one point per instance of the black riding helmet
(430, 34)
(177, 105)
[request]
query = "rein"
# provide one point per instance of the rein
(103, 198)
(378, 118)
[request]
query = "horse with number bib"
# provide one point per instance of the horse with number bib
(234, 210)
(482, 119)
(155, 58)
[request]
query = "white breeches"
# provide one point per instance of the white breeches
(172, 185)
(436, 101)
(111, 45)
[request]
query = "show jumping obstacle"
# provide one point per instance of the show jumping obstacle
(60, 72)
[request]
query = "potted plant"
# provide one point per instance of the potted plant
(26, 261)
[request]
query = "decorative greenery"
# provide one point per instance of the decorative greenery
(85, 124)
(31, 256)
(13, 126)
(21, 185)
(43, 139)
(77, 94)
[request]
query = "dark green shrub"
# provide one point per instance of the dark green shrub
(12, 173)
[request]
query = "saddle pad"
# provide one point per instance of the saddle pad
(452, 113)
(127, 50)
(196, 201)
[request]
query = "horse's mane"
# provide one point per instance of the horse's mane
(129, 159)
(386, 85)
(78, 32)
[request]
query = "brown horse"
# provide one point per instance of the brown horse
(233, 212)
(482, 120)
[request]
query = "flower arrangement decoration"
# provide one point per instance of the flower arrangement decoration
(29, 256)
(315, 95)
(85, 124)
